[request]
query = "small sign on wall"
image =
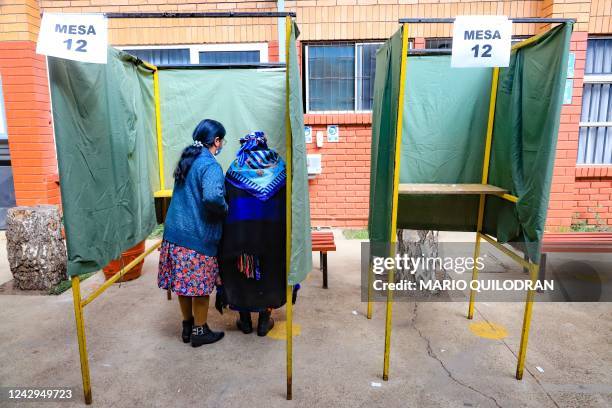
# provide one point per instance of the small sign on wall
(333, 133)
(481, 41)
(568, 92)
(571, 64)
(79, 37)
(308, 134)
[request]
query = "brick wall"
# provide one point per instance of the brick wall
(563, 196)
(340, 195)
(28, 110)
(594, 194)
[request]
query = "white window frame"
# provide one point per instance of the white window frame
(358, 64)
(194, 49)
(596, 79)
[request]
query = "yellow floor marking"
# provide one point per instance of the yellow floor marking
(278, 332)
(489, 330)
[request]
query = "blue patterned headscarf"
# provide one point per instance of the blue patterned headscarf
(257, 169)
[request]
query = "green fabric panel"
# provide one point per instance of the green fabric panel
(103, 131)
(384, 121)
(444, 130)
(243, 100)
(301, 246)
(420, 212)
(529, 100)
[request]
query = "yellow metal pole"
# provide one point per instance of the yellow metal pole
(396, 171)
(484, 180)
(288, 136)
(533, 272)
(119, 274)
(474, 275)
(80, 326)
(158, 126)
(369, 309)
(519, 260)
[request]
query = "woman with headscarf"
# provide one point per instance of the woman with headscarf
(188, 256)
(252, 252)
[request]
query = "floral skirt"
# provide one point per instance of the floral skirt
(186, 272)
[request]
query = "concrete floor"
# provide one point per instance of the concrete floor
(137, 358)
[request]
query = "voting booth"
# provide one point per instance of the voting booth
(120, 128)
(467, 147)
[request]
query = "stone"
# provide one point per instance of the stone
(35, 247)
(416, 244)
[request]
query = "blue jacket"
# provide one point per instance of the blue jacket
(195, 217)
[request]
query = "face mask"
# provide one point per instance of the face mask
(218, 151)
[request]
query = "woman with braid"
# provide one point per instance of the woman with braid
(188, 260)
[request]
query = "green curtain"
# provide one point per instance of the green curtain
(104, 118)
(529, 100)
(444, 128)
(301, 246)
(104, 131)
(384, 122)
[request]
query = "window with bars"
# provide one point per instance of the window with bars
(228, 57)
(236, 53)
(340, 76)
(162, 56)
(595, 137)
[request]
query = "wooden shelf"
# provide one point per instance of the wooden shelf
(422, 188)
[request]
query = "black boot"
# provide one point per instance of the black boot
(187, 328)
(203, 335)
(244, 323)
(264, 324)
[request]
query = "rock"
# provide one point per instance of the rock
(417, 244)
(35, 247)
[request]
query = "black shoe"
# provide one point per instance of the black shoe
(187, 328)
(244, 323)
(264, 324)
(203, 335)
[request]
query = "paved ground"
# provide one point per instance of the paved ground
(137, 358)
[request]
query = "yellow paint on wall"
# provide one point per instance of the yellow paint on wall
(279, 331)
(489, 330)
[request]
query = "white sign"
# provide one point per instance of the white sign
(333, 133)
(481, 41)
(79, 37)
(308, 134)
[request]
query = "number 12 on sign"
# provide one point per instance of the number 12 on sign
(81, 44)
(481, 41)
(486, 51)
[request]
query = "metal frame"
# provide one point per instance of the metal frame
(533, 268)
(79, 302)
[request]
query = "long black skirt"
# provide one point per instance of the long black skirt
(256, 228)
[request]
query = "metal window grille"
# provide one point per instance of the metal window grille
(162, 56)
(340, 76)
(228, 57)
(595, 137)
